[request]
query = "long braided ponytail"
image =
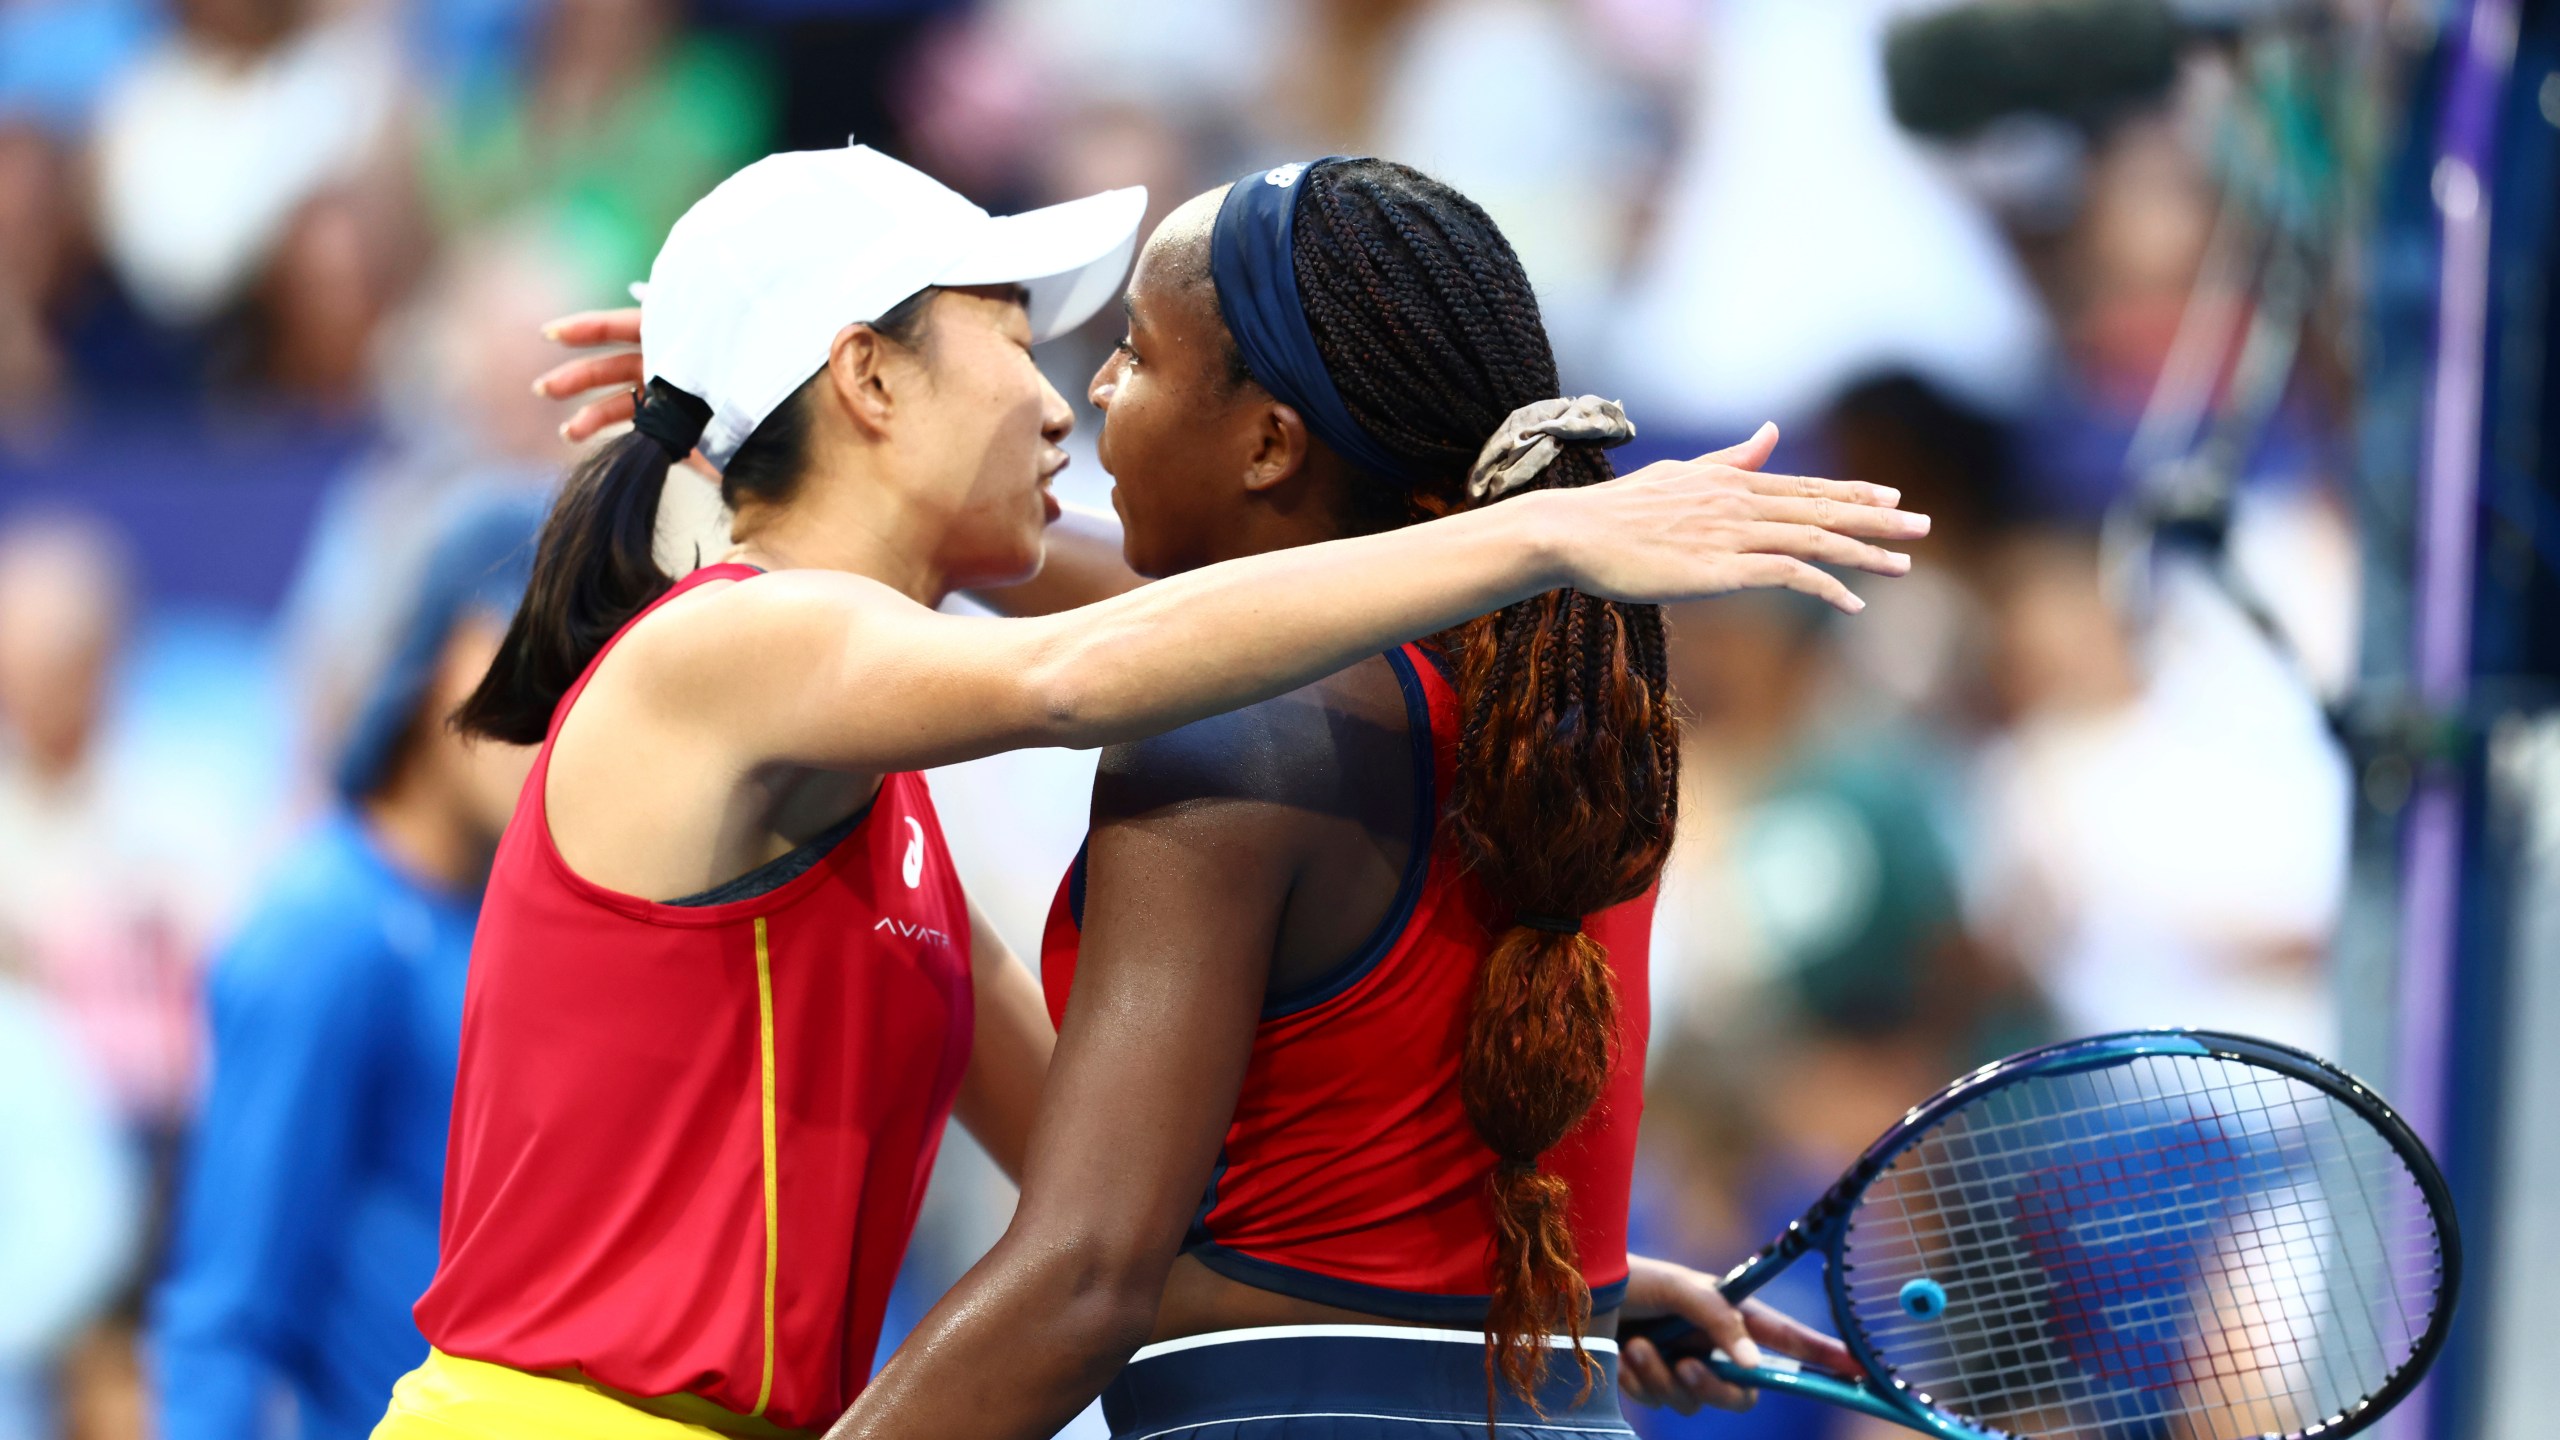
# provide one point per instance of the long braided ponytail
(1568, 760)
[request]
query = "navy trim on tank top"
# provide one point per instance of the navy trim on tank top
(1197, 1235)
(1417, 866)
(1342, 1294)
(1462, 1310)
(782, 869)
(1440, 661)
(1075, 886)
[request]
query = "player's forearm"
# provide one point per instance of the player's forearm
(1026, 1339)
(1237, 633)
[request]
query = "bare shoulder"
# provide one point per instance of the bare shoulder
(782, 600)
(726, 627)
(1294, 750)
(650, 776)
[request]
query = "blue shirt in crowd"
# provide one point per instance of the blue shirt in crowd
(306, 1226)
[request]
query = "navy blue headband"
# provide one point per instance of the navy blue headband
(1249, 260)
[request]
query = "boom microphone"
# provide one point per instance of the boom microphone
(1953, 71)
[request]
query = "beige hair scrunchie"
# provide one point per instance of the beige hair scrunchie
(1532, 435)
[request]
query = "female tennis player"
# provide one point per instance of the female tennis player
(1351, 982)
(726, 988)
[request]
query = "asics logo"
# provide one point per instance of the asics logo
(912, 868)
(906, 930)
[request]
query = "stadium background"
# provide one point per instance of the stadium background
(271, 273)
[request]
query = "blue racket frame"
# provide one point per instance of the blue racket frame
(1824, 1226)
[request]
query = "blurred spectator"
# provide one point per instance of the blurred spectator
(2121, 279)
(76, 906)
(2162, 824)
(620, 122)
(1105, 143)
(244, 181)
(973, 107)
(1741, 1133)
(1922, 656)
(2162, 830)
(1803, 239)
(81, 914)
(1815, 872)
(1559, 176)
(308, 1222)
(841, 64)
(68, 1188)
(459, 420)
(1332, 86)
(34, 241)
(2128, 268)
(1184, 60)
(55, 57)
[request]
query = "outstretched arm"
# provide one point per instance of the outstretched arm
(830, 670)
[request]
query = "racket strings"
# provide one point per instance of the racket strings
(2118, 1317)
(2077, 1328)
(2180, 1246)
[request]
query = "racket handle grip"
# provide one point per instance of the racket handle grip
(1677, 1339)
(1664, 1331)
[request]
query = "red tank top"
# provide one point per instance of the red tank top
(1350, 1175)
(689, 1142)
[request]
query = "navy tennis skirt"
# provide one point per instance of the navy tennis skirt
(1348, 1382)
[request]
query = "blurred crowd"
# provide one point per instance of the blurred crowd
(272, 274)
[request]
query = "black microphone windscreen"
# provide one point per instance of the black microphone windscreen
(2084, 61)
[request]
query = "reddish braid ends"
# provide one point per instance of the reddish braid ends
(1568, 759)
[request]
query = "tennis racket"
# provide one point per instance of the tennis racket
(2157, 1235)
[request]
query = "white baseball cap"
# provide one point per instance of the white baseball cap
(747, 295)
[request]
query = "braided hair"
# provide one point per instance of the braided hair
(1568, 753)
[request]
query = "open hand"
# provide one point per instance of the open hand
(1682, 1381)
(618, 372)
(1686, 529)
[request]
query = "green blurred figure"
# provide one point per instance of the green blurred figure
(620, 120)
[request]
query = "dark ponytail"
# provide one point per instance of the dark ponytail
(1568, 752)
(596, 566)
(593, 570)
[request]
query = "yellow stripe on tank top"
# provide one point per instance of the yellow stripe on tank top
(772, 1179)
